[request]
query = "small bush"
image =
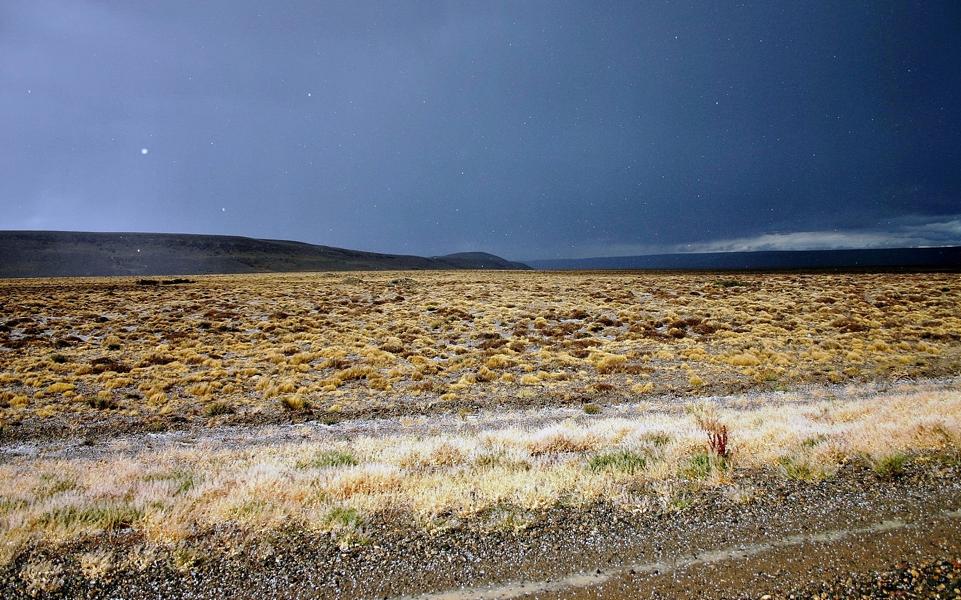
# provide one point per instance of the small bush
(59, 388)
(591, 409)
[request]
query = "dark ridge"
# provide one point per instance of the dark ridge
(478, 260)
(878, 259)
(76, 254)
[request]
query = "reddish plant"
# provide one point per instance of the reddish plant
(717, 435)
(717, 440)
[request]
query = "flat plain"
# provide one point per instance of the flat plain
(331, 430)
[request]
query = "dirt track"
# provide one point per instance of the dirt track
(843, 561)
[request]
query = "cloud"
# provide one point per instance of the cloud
(905, 232)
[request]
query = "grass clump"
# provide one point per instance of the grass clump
(183, 480)
(344, 517)
(293, 403)
(107, 518)
(657, 438)
(102, 403)
(51, 485)
(8, 505)
(327, 459)
(699, 466)
(730, 283)
(346, 527)
(591, 409)
(814, 440)
(217, 408)
(890, 466)
(799, 470)
(624, 461)
(703, 464)
(501, 460)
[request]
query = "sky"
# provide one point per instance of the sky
(535, 129)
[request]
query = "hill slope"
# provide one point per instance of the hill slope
(478, 260)
(68, 253)
(882, 259)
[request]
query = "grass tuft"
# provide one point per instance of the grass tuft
(625, 461)
(103, 517)
(327, 459)
(890, 466)
(591, 409)
(217, 408)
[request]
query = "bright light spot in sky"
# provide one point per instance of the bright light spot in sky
(144, 151)
(223, 210)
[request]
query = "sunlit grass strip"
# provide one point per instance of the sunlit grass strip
(171, 494)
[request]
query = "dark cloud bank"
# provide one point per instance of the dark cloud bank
(531, 130)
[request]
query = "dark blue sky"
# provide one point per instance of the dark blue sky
(528, 129)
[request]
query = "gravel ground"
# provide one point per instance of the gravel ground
(940, 578)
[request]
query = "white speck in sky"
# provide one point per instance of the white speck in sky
(309, 94)
(144, 151)
(223, 209)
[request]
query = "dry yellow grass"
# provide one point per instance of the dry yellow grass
(317, 481)
(77, 353)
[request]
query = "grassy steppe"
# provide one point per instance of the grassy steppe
(108, 354)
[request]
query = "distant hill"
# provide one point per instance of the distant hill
(69, 253)
(479, 260)
(883, 259)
